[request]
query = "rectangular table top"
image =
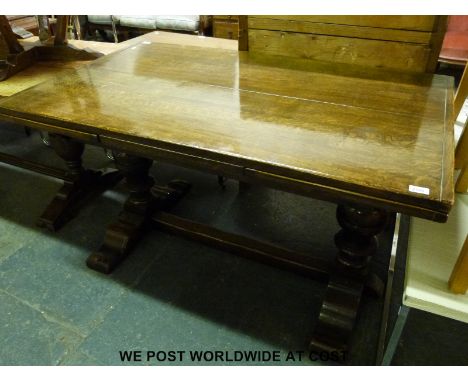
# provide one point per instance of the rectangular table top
(356, 134)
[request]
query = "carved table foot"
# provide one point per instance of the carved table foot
(79, 186)
(357, 242)
(123, 235)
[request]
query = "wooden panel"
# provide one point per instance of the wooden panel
(462, 181)
(462, 149)
(363, 136)
(415, 23)
(226, 17)
(440, 26)
(458, 282)
(379, 54)
(226, 29)
(339, 30)
(243, 33)
(461, 94)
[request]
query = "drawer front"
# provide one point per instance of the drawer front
(229, 30)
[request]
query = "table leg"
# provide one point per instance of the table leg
(357, 242)
(80, 184)
(122, 235)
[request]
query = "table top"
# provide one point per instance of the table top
(357, 134)
(44, 70)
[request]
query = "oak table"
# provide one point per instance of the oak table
(373, 142)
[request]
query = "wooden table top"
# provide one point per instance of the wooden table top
(349, 134)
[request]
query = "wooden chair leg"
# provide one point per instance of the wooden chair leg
(461, 94)
(61, 31)
(459, 279)
(114, 29)
(461, 152)
(462, 182)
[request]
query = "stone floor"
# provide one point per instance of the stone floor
(173, 294)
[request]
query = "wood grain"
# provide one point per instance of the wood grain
(437, 38)
(461, 153)
(354, 51)
(226, 29)
(458, 282)
(461, 94)
(343, 30)
(409, 43)
(462, 181)
(414, 23)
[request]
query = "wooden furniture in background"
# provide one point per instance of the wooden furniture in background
(406, 43)
(461, 161)
(18, 58)
(461, 93)
(461, 153)
(8, 43)
(226, 27)
(455, 44)
(458, 282)
(462, 181)
(61, 30)
(27, 22)
(455, 52)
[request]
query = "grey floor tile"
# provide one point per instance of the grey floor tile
(195, 298)
(51, 276)
(30, 337)
(76, 358)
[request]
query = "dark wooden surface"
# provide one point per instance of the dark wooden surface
(336, 132)
(6, 34)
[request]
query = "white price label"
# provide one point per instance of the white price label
(419, 190)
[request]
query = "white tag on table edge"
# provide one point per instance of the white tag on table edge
(419, 190)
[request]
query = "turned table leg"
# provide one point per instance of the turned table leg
(144, 199)
(357, 243)
(122, 235)
(79, 186)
